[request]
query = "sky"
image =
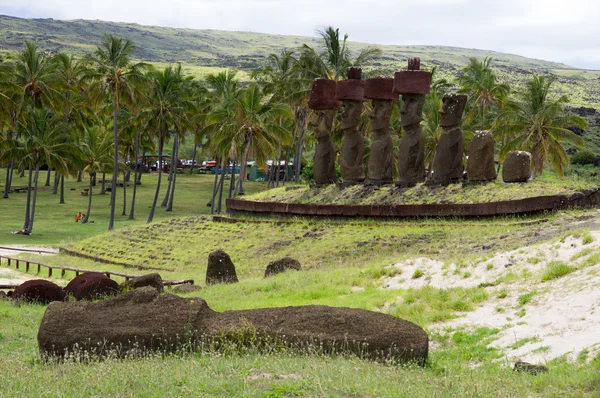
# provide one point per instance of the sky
(552, 30)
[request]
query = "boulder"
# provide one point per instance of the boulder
(186, 288)
(91, 285)
(480, 162)
(143, 320)
(526, 367)
(38, 291)
(517, 167)
(283, 264)
(220, 268)
(3, 295)
(153, 280)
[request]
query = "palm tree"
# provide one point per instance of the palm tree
(481, 84)
(41, 142)
(537, 123)
(113, 71)
(10, 100)
(96, 155)
(35, 74)
(167, 105)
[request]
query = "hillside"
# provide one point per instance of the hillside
(205, 51)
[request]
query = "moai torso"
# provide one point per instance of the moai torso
(382, 147)
(324, 161)
(448, 163)
(353, 146)
(411, 159)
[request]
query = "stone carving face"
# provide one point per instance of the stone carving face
(452, 109)
(412, 109)
(321, 122)
(380, 114)
(351, 114)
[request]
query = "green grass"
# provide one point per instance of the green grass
(525, 298)
(55, 224)
(556, 269)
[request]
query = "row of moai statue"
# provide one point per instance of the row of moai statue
(413, 84)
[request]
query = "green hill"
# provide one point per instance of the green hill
(205, 51)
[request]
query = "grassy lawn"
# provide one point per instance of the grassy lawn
(55, 223)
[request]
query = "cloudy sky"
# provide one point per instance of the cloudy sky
(554, 30)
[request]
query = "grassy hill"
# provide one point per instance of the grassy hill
(206, 51)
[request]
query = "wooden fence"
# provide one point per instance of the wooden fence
(27, 265)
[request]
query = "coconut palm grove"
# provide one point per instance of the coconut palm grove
(419, 237)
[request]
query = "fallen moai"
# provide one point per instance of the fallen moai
(91, 285)
(220, 268)
(517, 167)
(281, 265)
(38, 291)
(144, 321)
(153, 280)
(480, 162)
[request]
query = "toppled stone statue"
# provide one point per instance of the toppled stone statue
(480, 161)
(220, 268)
(413, 84)
(144, 321)
(324, 105)
(448, 163)
(517, 167)
(281, 265)
(38, 291)
(351, 93)
(153, 280)
(379, 91)
(90, 286)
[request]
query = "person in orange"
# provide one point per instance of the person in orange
(78, 217)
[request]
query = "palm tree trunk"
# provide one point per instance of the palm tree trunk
(171, 171)
(232, 180)
(124, 211)
(215, 188)
(113, 192)
(29, 228)
(7, 181)
(286, 176)
(79, 176)
(135, 174)
(300, 148)
(89, 209)
(22, 173)
(62, 189)
(93, 178)
(153, 208)
(278, 165)
(103, 188)
(47, 184)
(240, 187)
(193, 159)
(28, 205)
(221, 183)
(56, 181)
(171, 196)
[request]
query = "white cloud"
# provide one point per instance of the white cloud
(553, 29)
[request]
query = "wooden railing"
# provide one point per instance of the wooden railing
(27, 264)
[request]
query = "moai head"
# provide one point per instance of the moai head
(324, 105)
(322, 121)
(452, 109)
(351, 93)
(412, 109)
(413, 84)
(380, 91)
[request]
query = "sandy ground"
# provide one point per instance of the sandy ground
(10, 276)
(562, 317)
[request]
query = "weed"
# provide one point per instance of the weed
(556, 269)
(523, 341)
(587, 239)
(417, 274)
(525, 298)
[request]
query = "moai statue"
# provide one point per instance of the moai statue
(351, 93)
(413, 84)
(480, 161)
(448, 163)
(517, 167)
(379, 91)
(324, 105)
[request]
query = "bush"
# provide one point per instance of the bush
(556, 269)
(583, 157)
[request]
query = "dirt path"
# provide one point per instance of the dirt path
(10, 276)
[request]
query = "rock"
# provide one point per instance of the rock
(186, 288)
(521, 366)
(3, 295)
(38, 291)
(278, 266)
(220, 268)
(91, 285)
(153, 280)
(517, 167)
(480, 163)
(143, 320)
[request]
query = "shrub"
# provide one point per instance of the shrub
(583, 157)
(417, 274)
(556, 269)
